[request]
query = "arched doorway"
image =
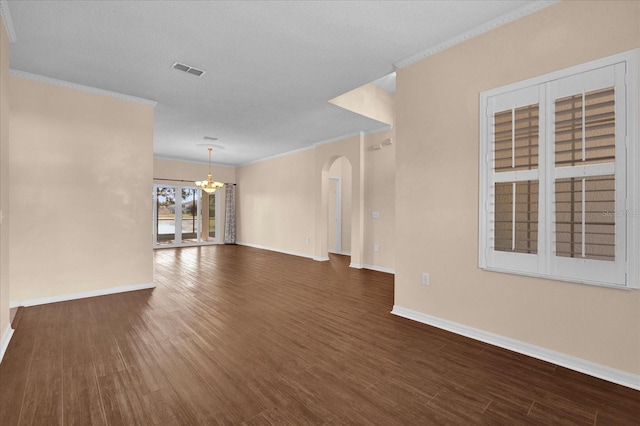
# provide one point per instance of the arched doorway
(352, 152)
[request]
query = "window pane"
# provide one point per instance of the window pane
(516, 139)
(516, 217)
(503, 223)
(166, 215)
(212, 215)
(189, 215)
(596, 227)
(599, 128)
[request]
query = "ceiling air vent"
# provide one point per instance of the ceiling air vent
(188, 69)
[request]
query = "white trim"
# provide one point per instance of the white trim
(185, 245)
(324, 142)
(380, 268)
(339, 138)
(82, 294)
(583, 366)
(4, 342)
(384, 128)
(351, 135)
(8, 23)
(273, 157)
(183, 160)
(341, 253)
(321, 259)
(571, 280)
(88, 89)
(293, 253)
(633, 174)
(474, 32)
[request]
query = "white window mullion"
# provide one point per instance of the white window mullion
(584, 127)
(544, 179)
(513, 138)
(198, 197)
(583, 219)
(513, 216)
(178, 215)
(154, 227)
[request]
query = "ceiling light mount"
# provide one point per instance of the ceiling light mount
(209, 186)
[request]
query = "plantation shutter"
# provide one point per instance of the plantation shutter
(560, 175)
(514, 157)
(588, 169)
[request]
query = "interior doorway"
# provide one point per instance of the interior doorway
(339, 202)
(334, 225)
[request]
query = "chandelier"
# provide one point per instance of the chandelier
(209, 185)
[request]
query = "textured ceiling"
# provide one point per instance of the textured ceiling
(270, 66)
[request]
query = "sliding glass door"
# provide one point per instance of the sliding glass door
(183, 216)
(165, 215)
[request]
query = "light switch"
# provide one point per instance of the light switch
(375, 215)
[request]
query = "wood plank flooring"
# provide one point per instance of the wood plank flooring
(236, 335)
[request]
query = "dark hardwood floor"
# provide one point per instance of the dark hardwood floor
(236, 335)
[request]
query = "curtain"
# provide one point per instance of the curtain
(230, 214)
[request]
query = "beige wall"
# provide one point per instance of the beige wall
(274, 206)
(4, 180)
(368, 100)
(191, 172)
(379, 196)
(173, 172)
(81, 179)
(437, 188)
(279, 200)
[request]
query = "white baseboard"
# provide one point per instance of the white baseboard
(583, 366)
(341, 253)
(293, 253)
(322, 258)
(81, 295)
(379, 268)
(4, 341)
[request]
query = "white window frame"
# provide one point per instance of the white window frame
(625, 272)
(178, 218)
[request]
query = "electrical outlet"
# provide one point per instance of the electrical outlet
(425, 278)
(376, 247)
(308, 240)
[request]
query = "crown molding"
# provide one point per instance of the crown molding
(272, 157)
(339, 138)
(317, 144)
(7, 21)
(70, 85)
(474, 32)
(181, 160)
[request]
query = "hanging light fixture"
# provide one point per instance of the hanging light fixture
(209, 185)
